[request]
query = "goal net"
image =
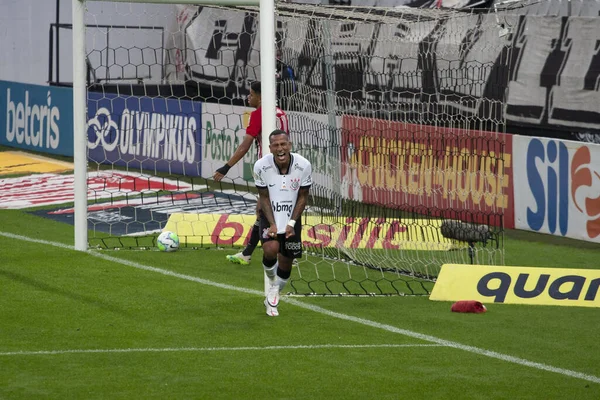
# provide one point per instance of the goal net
(399, 110)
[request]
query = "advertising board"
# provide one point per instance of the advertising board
(452, 173)
(558, 191)
(36, 118)
(158, 134)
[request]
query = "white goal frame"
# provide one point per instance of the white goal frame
(268, 83)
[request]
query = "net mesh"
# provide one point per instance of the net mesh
(398, 110)
(409, 106)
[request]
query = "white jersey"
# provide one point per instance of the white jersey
(283, 189)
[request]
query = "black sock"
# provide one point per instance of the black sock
(283, 274)
(269, 263)
(253, 242)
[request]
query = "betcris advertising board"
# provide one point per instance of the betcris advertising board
(148, 133)
(558, 192)
(37, 118)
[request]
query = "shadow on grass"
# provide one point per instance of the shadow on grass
(57, 291)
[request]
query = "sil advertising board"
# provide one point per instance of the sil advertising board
(157, 134)
(558, 192)
(36, 118)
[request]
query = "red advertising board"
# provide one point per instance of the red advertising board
(443, 172)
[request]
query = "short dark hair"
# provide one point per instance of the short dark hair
(278, 132)
(255, 87)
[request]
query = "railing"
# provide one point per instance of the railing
(54, 55)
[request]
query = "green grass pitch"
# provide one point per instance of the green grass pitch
(190, 325)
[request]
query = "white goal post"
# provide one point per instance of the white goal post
(267, 68)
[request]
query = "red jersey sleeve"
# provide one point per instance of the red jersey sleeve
(255, 125)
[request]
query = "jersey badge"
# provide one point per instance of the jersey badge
(295, 183)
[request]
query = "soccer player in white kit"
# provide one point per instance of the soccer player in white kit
(283, 180)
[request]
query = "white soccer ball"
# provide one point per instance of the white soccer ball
(168, 241)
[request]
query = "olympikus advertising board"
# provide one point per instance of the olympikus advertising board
(558, 191)
(149, 133)
(37, 118)
(461, 174)
(550, 65)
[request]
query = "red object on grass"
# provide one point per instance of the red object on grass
(469, 306)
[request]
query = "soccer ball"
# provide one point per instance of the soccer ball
(168, 241)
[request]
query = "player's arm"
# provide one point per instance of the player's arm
(239, 153)
(265, 204)
(298, 210)
(301, 201)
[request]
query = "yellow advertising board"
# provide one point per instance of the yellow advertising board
(18, 162)
(518, 285)
(373, 233)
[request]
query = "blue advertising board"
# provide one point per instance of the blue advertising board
(156, 134)
(37, 118)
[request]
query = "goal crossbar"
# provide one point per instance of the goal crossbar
(193, 2)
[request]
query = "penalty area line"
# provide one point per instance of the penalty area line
(333, 314)
(212, 349)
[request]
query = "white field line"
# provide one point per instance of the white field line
(362, 321)
(212, 349)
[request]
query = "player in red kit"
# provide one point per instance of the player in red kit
(253, 133)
